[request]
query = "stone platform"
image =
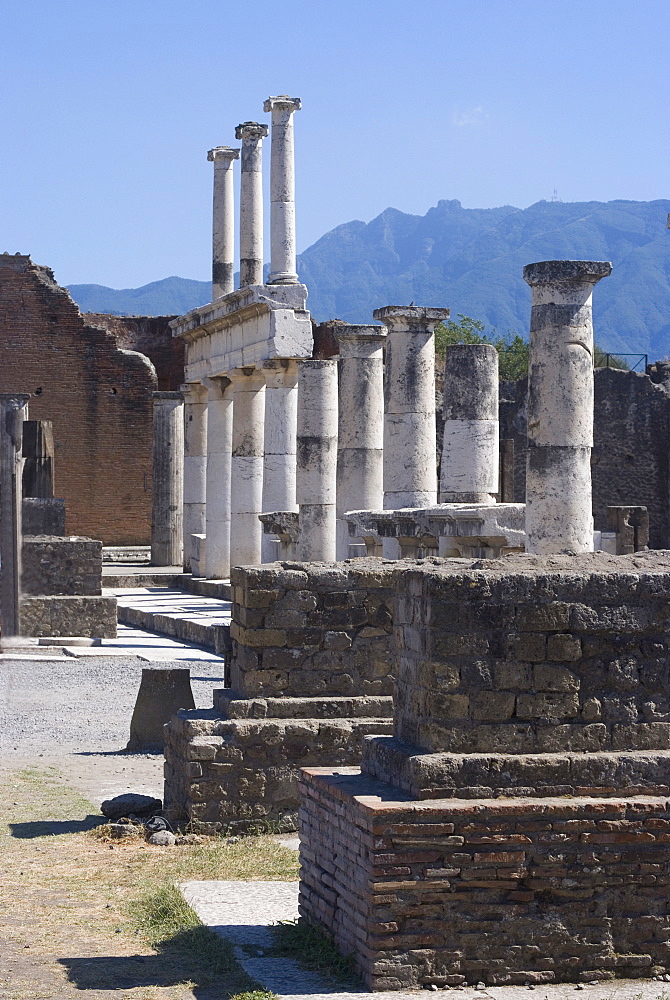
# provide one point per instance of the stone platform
(516, 826)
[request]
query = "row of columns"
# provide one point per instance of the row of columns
(282, 202)
(258, 444)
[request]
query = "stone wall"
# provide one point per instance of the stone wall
(311, 677)
(313, 629)
(516, 826)
(66, 566)
(630, 458)
(97, 396)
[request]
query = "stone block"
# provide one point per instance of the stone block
(563, 647)
(547, 706)
(492, 706)
(43, 516)
(163, 692)
(61, 565)
(547, 677)
(86, 616)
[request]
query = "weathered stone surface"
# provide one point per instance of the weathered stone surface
(87, 616)
(55, 565)
(43, 516)
(163, 691)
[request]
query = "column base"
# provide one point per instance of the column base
(424, 893)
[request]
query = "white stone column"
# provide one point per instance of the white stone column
(559, 515)
(470, 452)
(251, 202)
(167, 491)
(410, 461)
(223, 220)
(246, 498)
(316, 480)
(279, 463)
(195, 462)
(13, 411)
(360, 446)
(282, 190)
(218, 480)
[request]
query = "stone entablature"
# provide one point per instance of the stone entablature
(244, 328)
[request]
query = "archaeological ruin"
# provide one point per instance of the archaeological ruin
(474, 695)
(440, 668)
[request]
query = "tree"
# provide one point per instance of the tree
(513, 350)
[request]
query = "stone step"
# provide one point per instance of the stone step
(231, 705)
(170, 612)
(126, 554)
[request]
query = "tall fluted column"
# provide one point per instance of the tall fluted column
(13, 411)
(470, 452)
(282, 190)
(218, 481)
(167, 507)
(251, 202)
(316, 479)
(195, 462)
(360, 445)
(223, 220)
(246, 499)
(279, 463)
(559, 516)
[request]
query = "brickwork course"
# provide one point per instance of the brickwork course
(152, 336)
(515, 828)
(97, 396)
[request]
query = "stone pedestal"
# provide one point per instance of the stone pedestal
(223, 228)
(282, 190)
(514, 830)
(316, 476)
(279, 463)
(360, 445)
(167, 509)
(251, 203)
(195, 462)
(470, 452)
(410, 472)
(218, 480)
(246, 499)
(559, 514)
(13, 412)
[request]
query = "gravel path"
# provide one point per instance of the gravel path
(74, 714)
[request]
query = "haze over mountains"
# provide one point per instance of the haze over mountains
(470, 260)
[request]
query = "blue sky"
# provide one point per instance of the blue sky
(108, 110)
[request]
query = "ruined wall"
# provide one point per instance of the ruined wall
(630, 459)
(516, 829)
(311, 677)
(152, 336)
(97, 396)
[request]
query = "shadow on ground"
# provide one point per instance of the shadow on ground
(53, 827)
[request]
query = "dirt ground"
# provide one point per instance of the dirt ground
(66, 928)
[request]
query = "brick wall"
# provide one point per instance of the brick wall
(150, 335)
(97, 396)
(498, 891)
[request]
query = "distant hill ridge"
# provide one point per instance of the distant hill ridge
(470, 260)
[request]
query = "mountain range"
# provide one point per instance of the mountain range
(470, 260)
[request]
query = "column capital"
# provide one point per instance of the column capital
(282, 103)
(413, 318)
(216, 383)
(359, 331)
(251, 130)
(570, 272)
(223, 155)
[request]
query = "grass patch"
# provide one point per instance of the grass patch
(169, 925)
(313, 949)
